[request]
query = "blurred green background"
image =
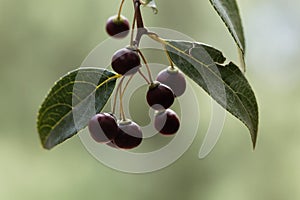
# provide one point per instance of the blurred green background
(42, 40)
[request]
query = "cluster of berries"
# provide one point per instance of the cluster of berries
(170, 83)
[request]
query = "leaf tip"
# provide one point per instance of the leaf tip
(254, 140)
(253, 144)
(46, 147)
(241, 54)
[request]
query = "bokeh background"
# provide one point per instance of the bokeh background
(42, 40)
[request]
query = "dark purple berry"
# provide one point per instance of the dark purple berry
(126, 61)
(129, 135)
(174, 79)
(117, 27)
(103, 127)
(166, 122)
(160, 96)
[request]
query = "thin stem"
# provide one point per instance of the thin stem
(169, 58)
(155, 37)
(148, 82)
(116, 95)
(147, 66)
(133, 25)
(115, 101)
(120, 9)
(127, 83)
(137, 5)
(122, 114)
(141, 30)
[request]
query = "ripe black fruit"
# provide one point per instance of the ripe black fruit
(174, 79)
(117, 27)
(166, 122)
(129, 135)
(103, 127)
(160, 96)
(126, 61)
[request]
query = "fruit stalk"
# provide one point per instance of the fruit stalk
(120, 9)
(147, 66)
(141, 30)
(116, 95)
(139, 18)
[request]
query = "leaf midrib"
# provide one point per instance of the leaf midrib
(248, 114)
(64, 116)
(41, 115)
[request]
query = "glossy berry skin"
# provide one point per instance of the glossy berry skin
(117, 27)
(160, 96)
(103, 127)
(174, 79)
(129, 135)
(126, 61)
(166, 122)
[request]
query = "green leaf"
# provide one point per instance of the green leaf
(225, 84)
(229, 12)
(71, 102)
(151, 4)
